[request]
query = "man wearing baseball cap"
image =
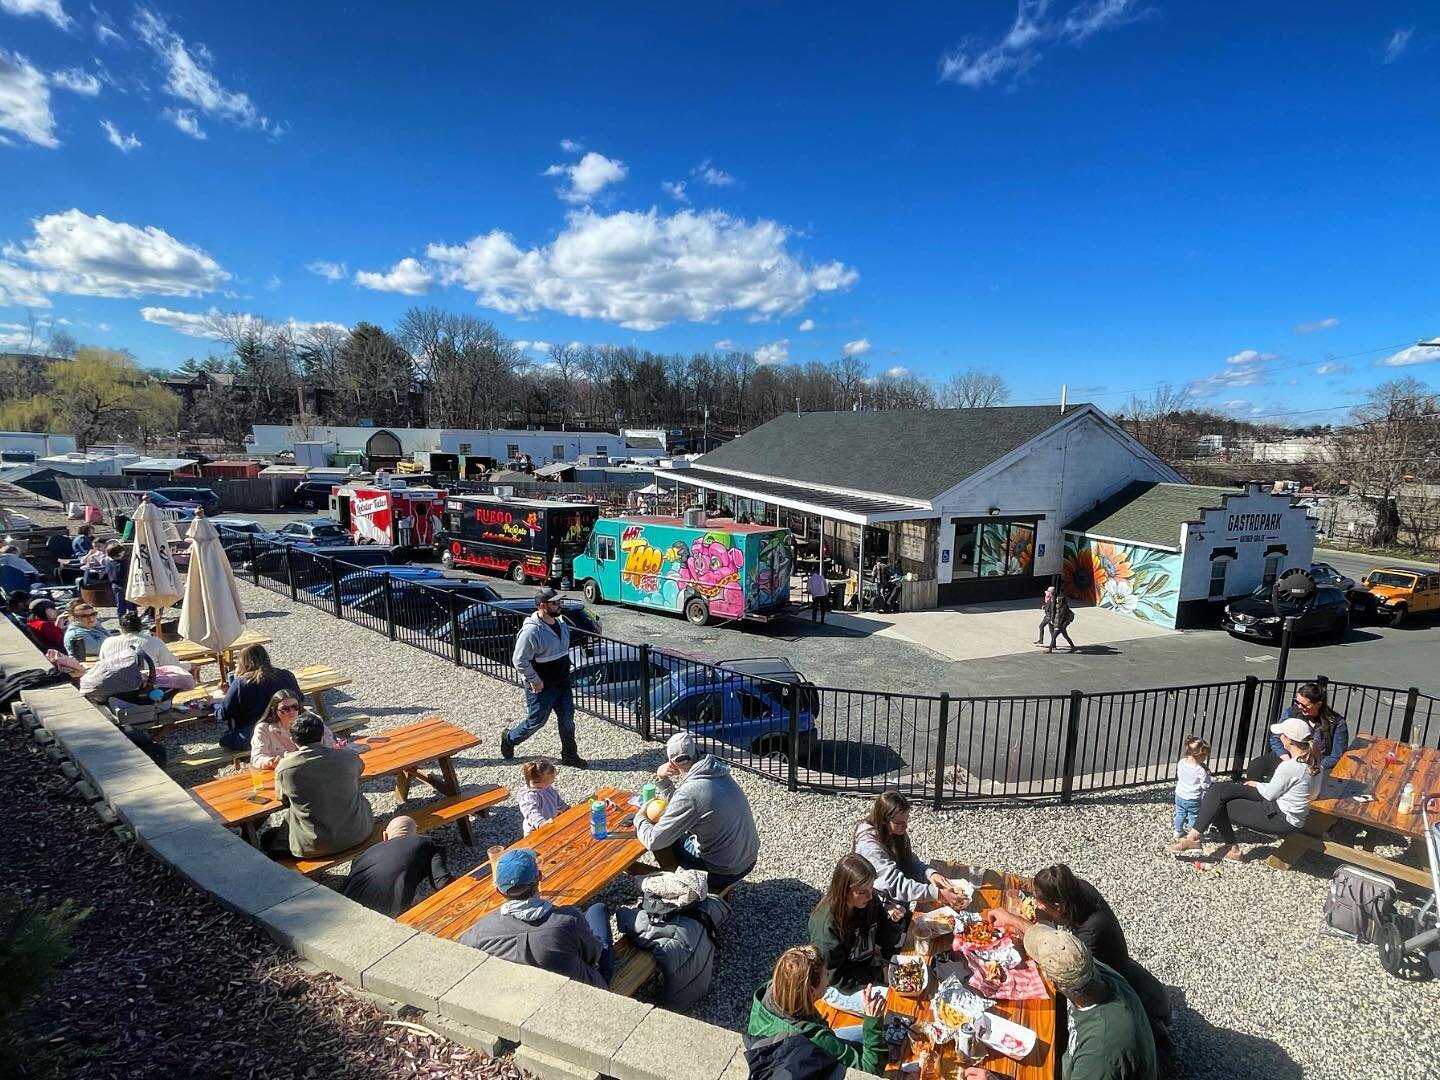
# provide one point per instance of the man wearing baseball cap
(542, 657)
(528, 929)
(707, 824)
(1109, 1033)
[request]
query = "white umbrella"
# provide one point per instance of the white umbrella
(154, 580)
(213, 615)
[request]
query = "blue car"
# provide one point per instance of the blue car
(744, 703)
(357, 583)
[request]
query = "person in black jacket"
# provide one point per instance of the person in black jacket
(854, 929)
(256, 681)
(386, 877)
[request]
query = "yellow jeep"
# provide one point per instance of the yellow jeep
(1403, 590)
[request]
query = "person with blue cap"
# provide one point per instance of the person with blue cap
(528, 929)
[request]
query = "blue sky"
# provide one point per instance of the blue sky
(1105, 193)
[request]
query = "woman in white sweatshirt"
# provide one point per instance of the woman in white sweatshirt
(1278, 807)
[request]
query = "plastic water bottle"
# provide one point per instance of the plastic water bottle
(599, 828)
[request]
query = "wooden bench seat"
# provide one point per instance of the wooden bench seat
(427, 819)
(221, 756)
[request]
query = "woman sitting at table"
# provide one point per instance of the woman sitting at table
(785, 1029)
(1278, 807)
(84, 637)
(133, 635)
(884, 839)
(854, 930)
(1328, 732)
(1073, 904)
(271, 739)
(256, 682)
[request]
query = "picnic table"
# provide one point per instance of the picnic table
(1363, 770)
(574, 868)
(314, 680)
(398, 752)
(1040, 1015)
(197, 656)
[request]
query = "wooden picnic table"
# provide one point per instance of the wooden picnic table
(188, 652)
(398, 752)
(1040, 1015)
(1363, 770)
(314, 680)
(574, 868)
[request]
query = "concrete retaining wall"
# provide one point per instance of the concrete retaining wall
(562, 1029)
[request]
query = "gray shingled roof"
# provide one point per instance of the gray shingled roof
(911, 455)
(1144, 512)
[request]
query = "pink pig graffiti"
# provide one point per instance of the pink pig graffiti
(713, 570)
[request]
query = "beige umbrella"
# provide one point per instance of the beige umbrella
(213, 615)
(154, 580)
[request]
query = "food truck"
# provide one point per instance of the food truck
(716, 569)
(528, 539)
(391, 512)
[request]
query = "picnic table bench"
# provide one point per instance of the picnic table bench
(1363, 770)
(398, 752)
(314, 680)
(574, 868)
(219, 755)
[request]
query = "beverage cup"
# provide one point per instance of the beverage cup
(494, 853)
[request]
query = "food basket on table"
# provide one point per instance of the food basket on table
(1020, 902)
(909, 975)
(978, 935)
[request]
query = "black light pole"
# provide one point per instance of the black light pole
(1287, 635)
(1298, 587)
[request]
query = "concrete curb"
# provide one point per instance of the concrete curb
(564, 1029)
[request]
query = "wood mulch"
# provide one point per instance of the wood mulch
(164, 983)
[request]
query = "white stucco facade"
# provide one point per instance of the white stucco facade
(1244, 533)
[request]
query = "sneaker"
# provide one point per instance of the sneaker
(507, 748)
(574, 761)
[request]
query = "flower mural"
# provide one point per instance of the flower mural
(1006, 549)
(1126, 578)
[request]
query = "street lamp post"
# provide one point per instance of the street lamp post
(1287, 635)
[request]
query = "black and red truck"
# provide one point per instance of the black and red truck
(526, 539)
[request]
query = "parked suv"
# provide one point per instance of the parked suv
(1254, 616)
(1402, 591)
(745, 703)
(196, 498)
(314, 494)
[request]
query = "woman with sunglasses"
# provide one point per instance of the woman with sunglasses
(84, 635)
(271, 739)
(1327, 730)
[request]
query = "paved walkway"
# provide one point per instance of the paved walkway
(1008, 627)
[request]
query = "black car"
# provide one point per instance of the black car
(197, 498)
(1254, 616)
(313, 531)
(314, 494)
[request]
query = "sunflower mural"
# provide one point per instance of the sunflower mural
(1126, 578)
(1006, 549)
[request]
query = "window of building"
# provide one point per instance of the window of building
(1272, 570)
(1218, 570)
(557, 452)
(602, 451)
(512, 450)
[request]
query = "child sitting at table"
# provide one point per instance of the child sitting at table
(787, 1037)
(855, 931)
(539, 802)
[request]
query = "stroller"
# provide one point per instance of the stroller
(1394, 938)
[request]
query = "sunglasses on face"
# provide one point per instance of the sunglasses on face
(288, 709)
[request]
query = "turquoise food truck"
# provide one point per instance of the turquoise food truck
(719, 570)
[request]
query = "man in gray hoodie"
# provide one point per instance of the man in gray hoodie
(528, 929)
(542, 657)
(707, 824)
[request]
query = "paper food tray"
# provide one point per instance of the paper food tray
(1013, 1040)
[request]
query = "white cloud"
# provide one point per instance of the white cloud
(186, 121)
(103, 327)
(25, 101)
(73, 252)
(1332, 367)
(53, 10)
(104, 28)
(1235, 404)
(1250, 356)
(203, 324)
(710, 176)
(274, 283)
(776, 352)
(675, 189)
(1319, 324)
(330, 271)
(588, 176)
(642, 270)
(976, 64)
(571, 146)
(1422, 352)
(408, 276)
(188, 74)
(896, 372)
(727, 345)
(856, 348)
(118, 139)
(806, 326)
(76, 80)
(1398, 43)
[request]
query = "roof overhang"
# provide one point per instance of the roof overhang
(858, 509)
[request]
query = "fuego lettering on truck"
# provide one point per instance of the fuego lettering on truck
(713, 570)
(500, 526)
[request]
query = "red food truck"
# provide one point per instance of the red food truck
(396, 514)
(528, 539)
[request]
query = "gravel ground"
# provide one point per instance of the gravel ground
(1260, 993)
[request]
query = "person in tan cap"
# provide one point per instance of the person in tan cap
(1109, 1034)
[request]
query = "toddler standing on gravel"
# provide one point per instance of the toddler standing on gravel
(538, 799)
(1192, 777)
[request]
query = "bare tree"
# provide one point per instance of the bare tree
(973, 389)
(565, 359)
(1158, 421)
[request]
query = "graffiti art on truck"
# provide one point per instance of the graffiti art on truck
(712, 570)
(770, 586)
(642, 561)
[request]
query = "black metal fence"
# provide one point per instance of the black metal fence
(940, 749)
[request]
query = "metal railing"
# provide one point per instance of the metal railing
(941, 749)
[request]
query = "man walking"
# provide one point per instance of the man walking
(542, 657)
(819, 596)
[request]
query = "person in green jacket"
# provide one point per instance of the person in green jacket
(853, 929)
(786, 1005)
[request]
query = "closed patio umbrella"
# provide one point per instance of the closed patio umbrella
(154, 580)
(213, 615)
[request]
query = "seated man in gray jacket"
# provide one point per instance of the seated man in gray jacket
(707, 824)
(320, 786)
(528, 929)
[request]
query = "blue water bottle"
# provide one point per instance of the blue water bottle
(599, 828)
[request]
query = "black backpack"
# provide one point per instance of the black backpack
(789, 1056)
(1359, 901)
